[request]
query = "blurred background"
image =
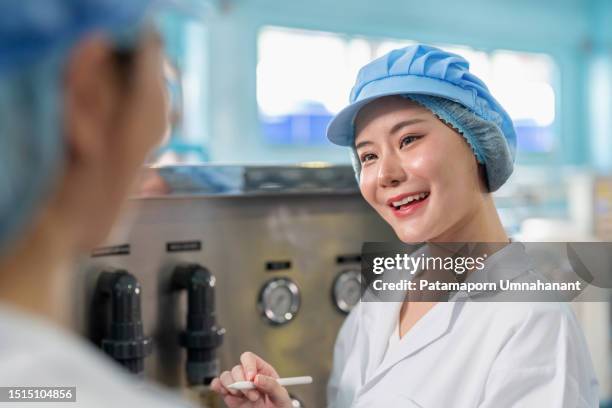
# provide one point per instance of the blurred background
(255, 83)
(259, 80)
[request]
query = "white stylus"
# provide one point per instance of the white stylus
(248, 385)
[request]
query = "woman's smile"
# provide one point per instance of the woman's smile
(407, 204)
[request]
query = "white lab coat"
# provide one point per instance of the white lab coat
(464, 354)
(36, 353)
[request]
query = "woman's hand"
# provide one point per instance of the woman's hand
(268, 393)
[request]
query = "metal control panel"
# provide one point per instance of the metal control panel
(282, 244)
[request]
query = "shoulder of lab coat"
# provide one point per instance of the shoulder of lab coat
(34, 353)
(544, 358)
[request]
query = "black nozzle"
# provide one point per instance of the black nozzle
(124, 341)
(202, 336)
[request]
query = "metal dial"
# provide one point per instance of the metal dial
(279, 300)
(295, 402)
(347, 290)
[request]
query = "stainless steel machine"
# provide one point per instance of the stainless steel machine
(218, 260)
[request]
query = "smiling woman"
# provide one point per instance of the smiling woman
(428, 155)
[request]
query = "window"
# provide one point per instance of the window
(184, 71)
(304, 78)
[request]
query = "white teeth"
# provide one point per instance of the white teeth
(409, 199)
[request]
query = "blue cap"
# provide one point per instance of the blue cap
(419, 70)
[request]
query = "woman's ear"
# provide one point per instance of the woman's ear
(91, 100)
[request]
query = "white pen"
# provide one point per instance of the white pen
(248, 385)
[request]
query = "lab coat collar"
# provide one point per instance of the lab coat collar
(379, 321)
(380, 318)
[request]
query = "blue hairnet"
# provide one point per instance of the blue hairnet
(483, 136)
(442, 82)
(35, 39)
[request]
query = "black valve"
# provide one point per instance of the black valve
(123, 338)
(202, 336)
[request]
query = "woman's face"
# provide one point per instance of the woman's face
(417, 173)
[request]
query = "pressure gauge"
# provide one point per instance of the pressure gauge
(295, 402)
(279, 300)
(346, 290)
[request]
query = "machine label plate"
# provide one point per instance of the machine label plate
(183, 246)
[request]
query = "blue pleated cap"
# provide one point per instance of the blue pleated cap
(420, 70)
